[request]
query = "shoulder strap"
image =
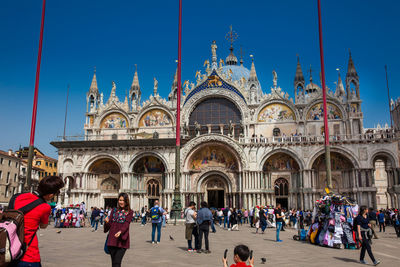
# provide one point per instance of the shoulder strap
(12, 201)
(32, 205)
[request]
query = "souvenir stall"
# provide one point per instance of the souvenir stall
(332, 225)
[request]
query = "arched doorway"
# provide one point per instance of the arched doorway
(281, 188)
(282, 173)
(342, 172)
(385, 181)
(104, 174)
(214, 189)
(148, 174)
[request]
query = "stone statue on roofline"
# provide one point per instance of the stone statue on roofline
(155, 86)
(275, 78)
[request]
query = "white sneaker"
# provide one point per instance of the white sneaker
(152, 242)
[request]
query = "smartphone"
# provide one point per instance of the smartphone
(251, 254)
(225, 253)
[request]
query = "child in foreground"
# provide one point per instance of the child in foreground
(240, 255)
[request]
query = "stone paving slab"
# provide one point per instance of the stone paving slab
(85, 248)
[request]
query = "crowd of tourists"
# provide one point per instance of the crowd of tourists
(335, 221)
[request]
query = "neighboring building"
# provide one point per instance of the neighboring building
(47, 165)
(35, 175)
(395, 112)
(240, 145)
(9, 175)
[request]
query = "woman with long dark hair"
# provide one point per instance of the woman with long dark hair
(118, 225)
(364, 235)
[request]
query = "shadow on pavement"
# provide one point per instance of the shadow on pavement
(346, 259)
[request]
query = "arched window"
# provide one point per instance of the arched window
(153, 188)
(276, 132)
(281, 187)
(215, 112)
(91, 101)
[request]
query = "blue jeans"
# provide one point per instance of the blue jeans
(212, 226)
(226, 221)
(153, 231)
(163, 221)
(57, 222)
(144, 220)
(278, 230)
(28, 264)
(95, 223)
(263, 225)
(219, 220)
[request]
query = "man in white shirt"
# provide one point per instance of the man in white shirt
(191, 227)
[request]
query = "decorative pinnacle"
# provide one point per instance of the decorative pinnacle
(310, 73)
(241, 55)
(231, 36)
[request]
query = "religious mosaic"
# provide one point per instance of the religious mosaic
(109, 184)
(275, 113)
(149, 165)
(213, 156)
(104, 166)
(280, 162)
(316, 113)
(154, 118)
(114, 121)
(338, 162)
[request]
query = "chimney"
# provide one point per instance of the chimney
(10, 152)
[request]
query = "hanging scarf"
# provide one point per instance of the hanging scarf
(119, 216)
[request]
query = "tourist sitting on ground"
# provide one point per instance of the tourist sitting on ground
(241, 254)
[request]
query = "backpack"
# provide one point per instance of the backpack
(155, 213)
(12, 244)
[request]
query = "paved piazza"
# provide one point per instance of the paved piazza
(83, 247)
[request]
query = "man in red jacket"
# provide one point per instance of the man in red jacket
(37, 217)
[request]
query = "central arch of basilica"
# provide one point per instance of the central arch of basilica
(242, 145)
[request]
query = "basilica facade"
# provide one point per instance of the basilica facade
(242, 145)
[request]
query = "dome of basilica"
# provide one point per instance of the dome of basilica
(238, 71)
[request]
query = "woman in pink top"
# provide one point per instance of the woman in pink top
(118, 225)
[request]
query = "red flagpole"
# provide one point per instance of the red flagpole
(326, 126)
(178, 101)
(35, 100)
(177, 206)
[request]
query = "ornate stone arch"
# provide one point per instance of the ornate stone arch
(286, 151)
(344, 152)
(213, 93)
(90, 161)
(110, 111)
(67, 166)
(285, 102)
(194, 144)
(140, 155)
(385, 154)
(207, 173)
(331, 101)
(155, 107)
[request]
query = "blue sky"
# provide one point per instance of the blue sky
(115, 35)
